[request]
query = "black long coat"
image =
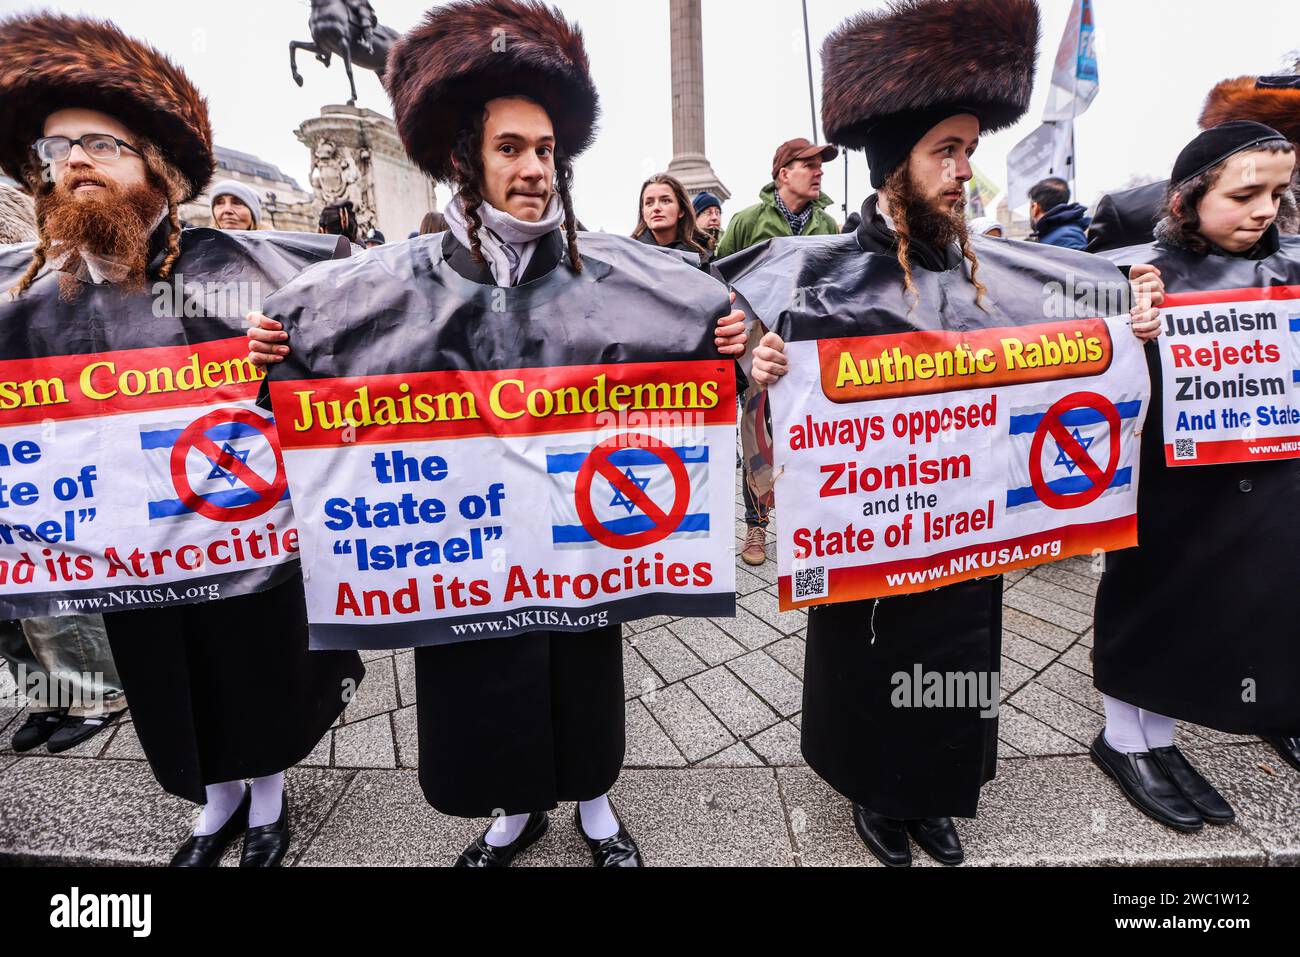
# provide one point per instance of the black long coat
(1204, 604)
(1126, 218)
(227, 690)
(905, 763)
(222, 690)
(519, 724)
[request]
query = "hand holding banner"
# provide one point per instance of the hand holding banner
(1231, 367)
(930, 458)
(555, 456)
(136, 468)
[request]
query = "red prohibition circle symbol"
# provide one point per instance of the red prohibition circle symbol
(665, 523)
(1052, 425)
(196, 437)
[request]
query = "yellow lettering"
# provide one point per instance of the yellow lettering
(494, 399)
(87, 381)
(848, 372)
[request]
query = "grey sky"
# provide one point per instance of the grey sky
(1157, 58)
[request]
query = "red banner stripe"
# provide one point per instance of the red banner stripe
(419, 406)
(1268, 293)
(871, 581)
(1234, 451)
(926, 362)
(126, 382)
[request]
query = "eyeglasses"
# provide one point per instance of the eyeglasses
(102, 147)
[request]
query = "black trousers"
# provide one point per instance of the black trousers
(898, 759)
(517, 725)
(227, 690)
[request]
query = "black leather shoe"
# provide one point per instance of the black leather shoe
(1287, 748)
(885, 837)
(265, 845)
(36, 730)
(617, 851)
(1145, 783)
(73, 731)
(483, 854)
(1194, 787)
(207, 851)
(938, 838)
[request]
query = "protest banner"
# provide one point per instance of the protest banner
(501, 465)
(927, 458)
(136, 468)
(1230, 361)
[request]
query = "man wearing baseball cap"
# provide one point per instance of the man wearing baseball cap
(791, 205)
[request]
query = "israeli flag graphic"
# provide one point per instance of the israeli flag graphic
(220, 486)
(615, 505)
(1061, 472)
(1295, 349)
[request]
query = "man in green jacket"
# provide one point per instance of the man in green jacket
(791, 205)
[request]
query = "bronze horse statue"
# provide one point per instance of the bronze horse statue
(350, 29)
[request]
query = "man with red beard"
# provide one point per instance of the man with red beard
(99, 203)
(111, 137)
(914, 87)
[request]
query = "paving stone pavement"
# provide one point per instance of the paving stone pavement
(713, 769)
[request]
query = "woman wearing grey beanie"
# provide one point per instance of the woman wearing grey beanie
(235, 205)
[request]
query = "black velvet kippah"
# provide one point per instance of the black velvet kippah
(1217, 144)
(891, 140)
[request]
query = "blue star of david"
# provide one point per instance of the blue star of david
(219, 473)
(1063, 459)
(621, 499)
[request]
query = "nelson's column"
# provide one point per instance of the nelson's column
(689, 164)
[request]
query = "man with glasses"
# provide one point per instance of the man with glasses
(103, 147)
(96, 203)
(110, 138)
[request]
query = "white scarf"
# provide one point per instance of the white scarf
(508, 244)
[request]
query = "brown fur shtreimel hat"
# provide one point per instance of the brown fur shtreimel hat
(890, 76)
(1271, 100)
(468, 52)
(50, 62)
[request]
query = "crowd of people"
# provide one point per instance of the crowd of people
(107, 138)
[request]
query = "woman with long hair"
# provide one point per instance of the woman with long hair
(666, 218)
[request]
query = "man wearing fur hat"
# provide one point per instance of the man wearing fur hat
(1129, 218)
(496, 97)
(915, 87)
(111, 138)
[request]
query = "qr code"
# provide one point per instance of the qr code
(810, 583)
(1184, 449)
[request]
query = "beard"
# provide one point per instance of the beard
(112, 226)
(929, 220)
